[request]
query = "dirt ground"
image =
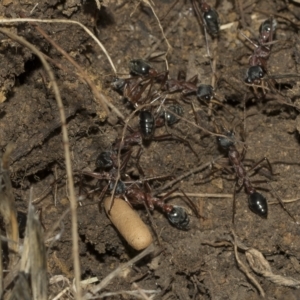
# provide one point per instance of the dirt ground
(199, 263)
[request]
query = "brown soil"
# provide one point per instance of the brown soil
(187, 268)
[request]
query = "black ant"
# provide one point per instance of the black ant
(148, 123)
(209, 16)
(256, 201)
(134, 195)
(176, 215)
(258, 60)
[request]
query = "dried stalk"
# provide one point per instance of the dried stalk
(66, 145)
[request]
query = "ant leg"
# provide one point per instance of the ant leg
(192, 205)
(243, 154)
(278, 198)
(127, 156)
(103, 192)
(261, 161)
(146, 180)
(175, 138)
(244, 36)
(234, 200)
(282, 204)
(138, 157)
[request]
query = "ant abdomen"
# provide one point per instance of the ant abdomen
(171, 118)
(212, 22)
(104, 160)
(179, 218)
(205, 92)
(147, 124)
(258, 204)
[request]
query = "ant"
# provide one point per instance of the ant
(148, 122)
(256, 201)
(203, 91)
(134, 195)
(258, 60)
(208, 16)
(176, 215)
(146, 133)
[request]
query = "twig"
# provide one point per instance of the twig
(262, 267)
(200, 195)
(244, 268)
(285, 201)
(136, 293)
(241, 11)
(120, 149)
(117, 271)
(184, 175)
(99, 96)
(157, 44)
(140, 291)
(147, 2)
(66, 145)
(25, 20)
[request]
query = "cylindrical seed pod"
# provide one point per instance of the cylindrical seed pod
(128, 223)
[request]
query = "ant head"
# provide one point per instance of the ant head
(104, 160)
(118, 84)
(228, 141)
(265, 29)
(258, 204)
(179, 218)
(253, 74)
(120, 188)
(139, 67)
(205, 92)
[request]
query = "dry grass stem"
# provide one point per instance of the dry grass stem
(203, 195)
(8, 208)
(262, 267)
(245, 269)
(98, 4)
(135, 294)
(66, 145)
(37, 256)
(116, 272)
(120, 149)
(98, 95)
(25, 20)
(148, 3)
